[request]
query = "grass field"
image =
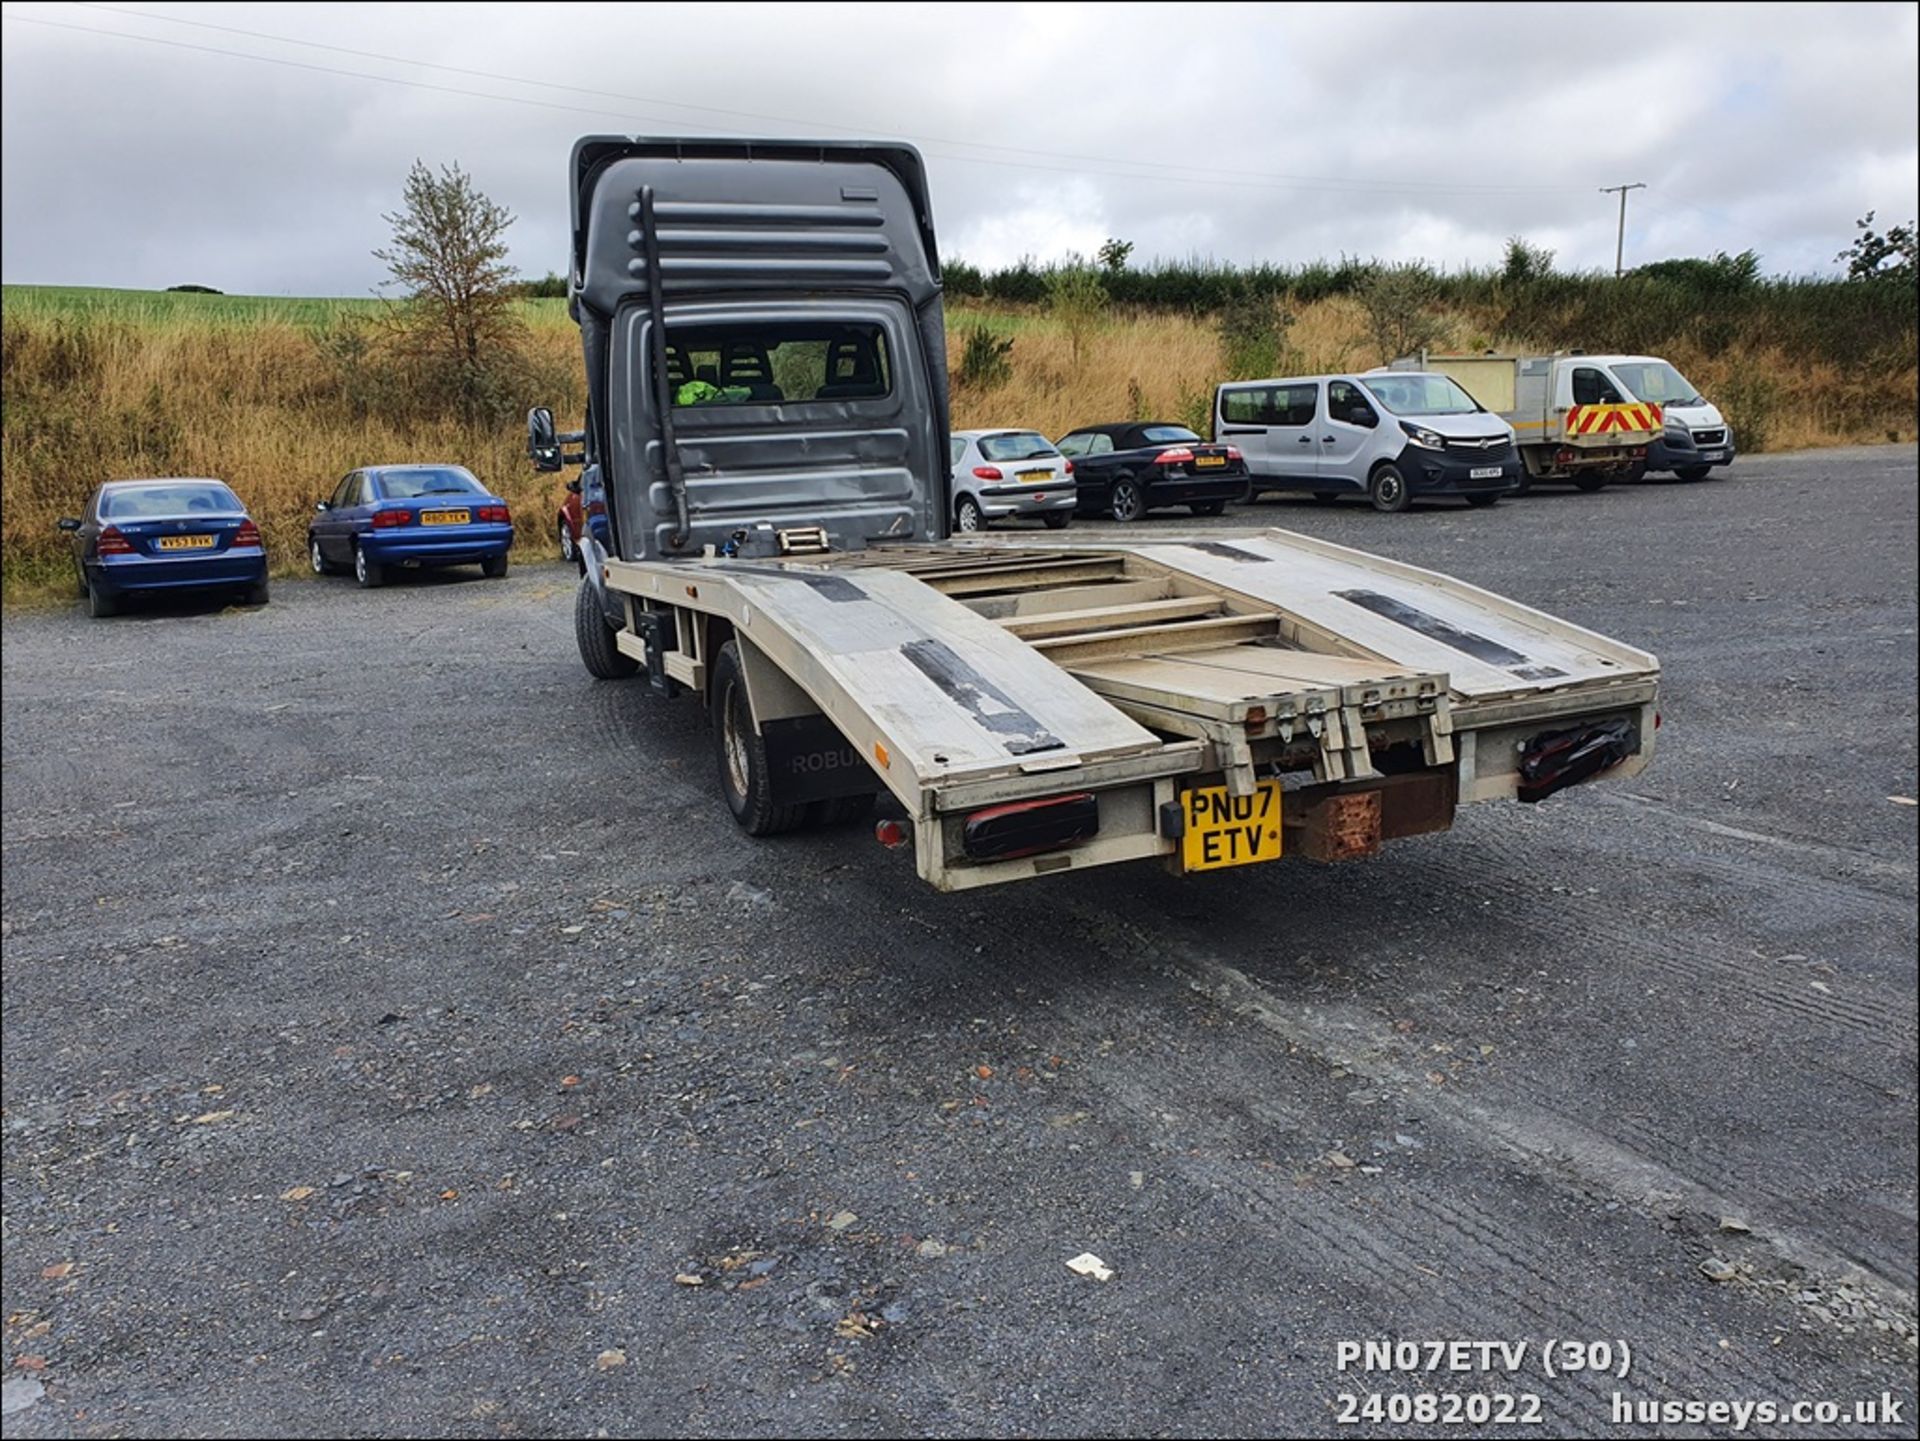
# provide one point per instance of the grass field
(257, 390)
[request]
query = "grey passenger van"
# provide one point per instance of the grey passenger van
(1392, 436)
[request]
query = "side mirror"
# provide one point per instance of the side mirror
(68, 522)
(543, 444)
(1366, 417)
(574, 485)
(323, 505)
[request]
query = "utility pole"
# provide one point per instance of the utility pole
(1620, 244)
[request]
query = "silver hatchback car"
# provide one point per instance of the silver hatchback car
(1000, 473)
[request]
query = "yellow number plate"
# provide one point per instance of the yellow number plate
(1036, 477)
(186, 542)
(1203, 462)
(445, 517)
(1230, 830)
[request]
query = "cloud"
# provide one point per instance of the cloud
(1286, 133)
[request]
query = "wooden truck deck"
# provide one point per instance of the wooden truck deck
(977, 674)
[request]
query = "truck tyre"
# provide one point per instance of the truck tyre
(1526, 482)
(603, 659)
(1481, 502)
(1692, 473)
(745, 778)
(1590, 483)
(967, 516)
(370, 575)
(1127, 502)
(1057, 519)
(1387, 489)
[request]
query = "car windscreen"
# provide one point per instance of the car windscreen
(1420, 395)
(179, 497)
(1163, 434)
(777, 362)
(1017, 445)
(406, 484)
(1656, 382)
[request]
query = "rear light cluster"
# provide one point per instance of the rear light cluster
(989, 472)
(497, 514)
(388, 519)
(1069, 467)
(111, 542)
(1233, 453)
(248, 534)
(1026, 828)
(1179, 455)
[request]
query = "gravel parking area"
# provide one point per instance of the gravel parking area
(400, 1037)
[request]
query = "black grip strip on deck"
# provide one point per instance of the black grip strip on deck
(829, 587)
(1228, 552)
(939, 663)
(1480, 647)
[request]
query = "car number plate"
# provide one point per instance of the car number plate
(185, 542)
(1485, 472)
(1036, 477)
(1229, 830)
(1713, 455)
(445, 517)
(1208, 462)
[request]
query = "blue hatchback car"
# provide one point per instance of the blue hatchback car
(387, 516)
(151, 536)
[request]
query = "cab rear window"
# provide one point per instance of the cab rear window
(777, 363)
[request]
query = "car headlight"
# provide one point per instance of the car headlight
(1426, 439)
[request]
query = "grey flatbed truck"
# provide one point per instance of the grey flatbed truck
(765, 492)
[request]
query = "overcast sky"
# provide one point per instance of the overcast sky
(1283, 133)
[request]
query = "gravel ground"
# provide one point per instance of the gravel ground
(397, 1029)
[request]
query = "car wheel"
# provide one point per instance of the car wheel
(255, 594)
(1694, 472)
(1481, 502)
(1590, 483)
(315, 558)
(967, 517)
(1388, 490)
(746, 778)
(369, 573)
(1210, 507)
(1057, 519)
(599, 652)
(100, 605)
(80, 581)
(494, 567)
(1127, 503)
(568, 551)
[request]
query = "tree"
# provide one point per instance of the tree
(1077, 299)
(1525, 262)
(1113, 255)
(1400, 303)
(458, 319)
(1881, 257)
(1253, 332)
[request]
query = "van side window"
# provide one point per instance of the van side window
(1249, 407)
(1346, 403)
(1591, 387)
(1297, 404)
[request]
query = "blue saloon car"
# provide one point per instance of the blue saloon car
(151, 536)
(388, 516)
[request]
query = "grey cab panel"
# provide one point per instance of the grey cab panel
(805, 347)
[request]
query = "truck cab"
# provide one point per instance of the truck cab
(1695, 437)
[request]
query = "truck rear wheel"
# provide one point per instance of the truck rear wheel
(745, 777)
(603, 659)
(1590, 483)
(1691, 473)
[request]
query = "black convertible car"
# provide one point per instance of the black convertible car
(1123, 471)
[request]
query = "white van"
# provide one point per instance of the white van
(1393, 436)
(1696, 437)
